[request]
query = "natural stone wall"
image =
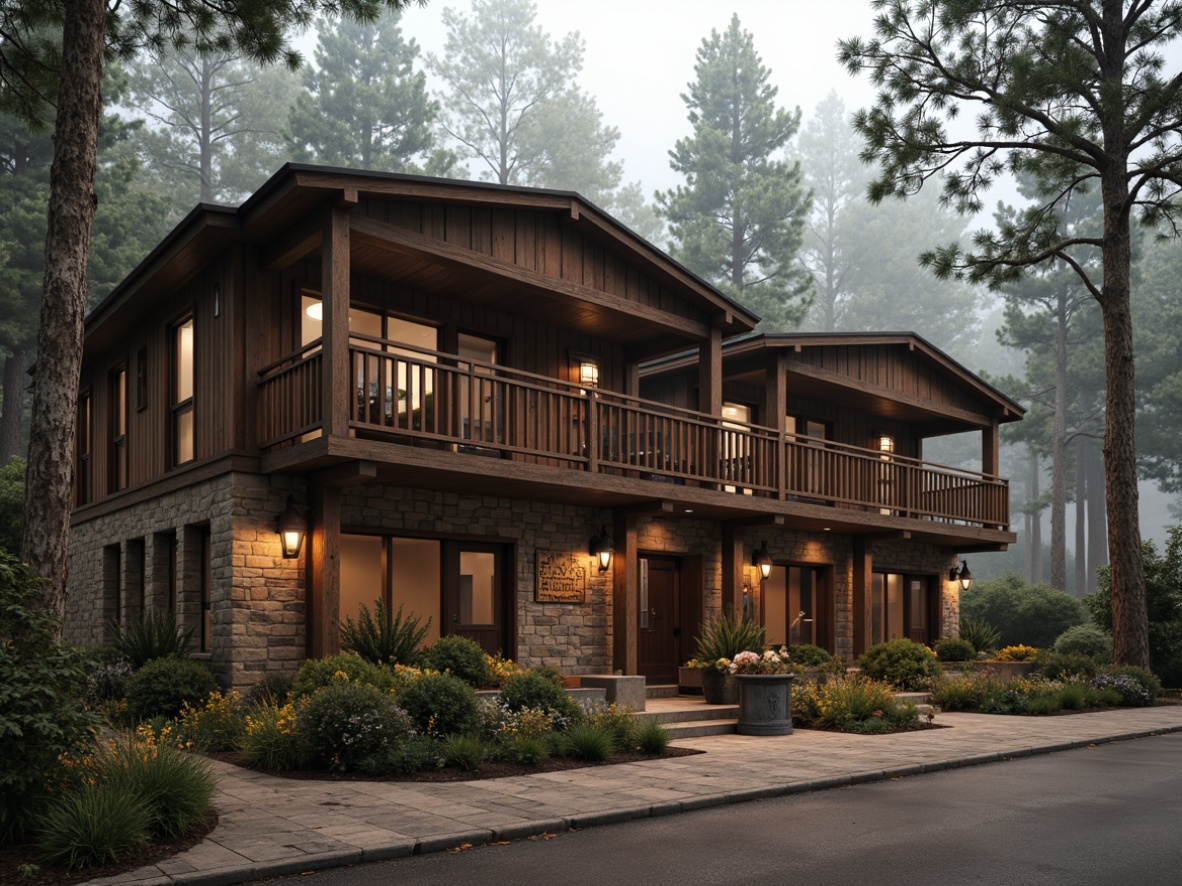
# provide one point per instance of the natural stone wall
(575, 638)
(256, 599)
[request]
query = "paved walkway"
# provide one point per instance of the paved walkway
(272, 826)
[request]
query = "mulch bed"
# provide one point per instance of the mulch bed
(12, 857)
(485, 770)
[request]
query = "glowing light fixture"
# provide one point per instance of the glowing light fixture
(292, 529)
(961, 575)
(588, 373)
(315, 310)
(762, 560)
(602, 549)
(886, 443)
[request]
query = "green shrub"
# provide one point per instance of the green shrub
(12, 503)
(859, 704)
(810, 656)
(270, 740)
(177, 786)
(619, 722)
(652, 737)
(440, 704)
(216, 725)
(96, 824)
(382, 639)
(1067, 666)
(1020, 652)
(983, 636)
(271, 689)
(528, 750)
(42, 683)
(149, 636)
(316, 673)
(1042, 705)
(905, 664)
(958, 694)
(162, 687)
(804, 702)
(464, 752)
(1074, 697)
(590, 743)
(1086, 640)
(726, 635)
(1137, 686)
(955, 649)
(344, 723)
(533, 689)
(417, 753)
(459, 656)
(1030, 615)
(1163, 599)
(108, 682)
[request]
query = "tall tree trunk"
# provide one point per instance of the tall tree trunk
(72, 202)
(1059, 451)
(205, 136)
(1097, 516)
(1034, 564)
(1130, 621)
(1081, 495)
(14, 405)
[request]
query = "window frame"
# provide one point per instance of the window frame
(119, 464)
(177, 408)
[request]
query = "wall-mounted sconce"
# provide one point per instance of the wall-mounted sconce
(886, 443)
(961, 575)
(762, 560)
(588, 373)
(292, 528)
(602, 549)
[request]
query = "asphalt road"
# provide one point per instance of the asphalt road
(1108, 815)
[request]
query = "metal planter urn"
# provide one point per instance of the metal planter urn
(719, 687)
(765, 704)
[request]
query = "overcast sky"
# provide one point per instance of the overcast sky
(640, 57)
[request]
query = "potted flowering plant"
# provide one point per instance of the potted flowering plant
(765, 691)
(719, 641)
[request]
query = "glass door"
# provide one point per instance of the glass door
(475, 594)
(479, 400)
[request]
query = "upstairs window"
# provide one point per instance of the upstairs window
(182, 392)
(118, 427)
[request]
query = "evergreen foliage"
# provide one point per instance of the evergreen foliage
(1029, 615)
(163, 686)
(739, 218)
(380, 638)
(149, 636)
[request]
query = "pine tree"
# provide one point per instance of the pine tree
(513, 104)
(364, 104)
(739, 218)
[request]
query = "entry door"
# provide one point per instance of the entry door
(902, 606)
(475, 599)
(481, 417)
(660, 620)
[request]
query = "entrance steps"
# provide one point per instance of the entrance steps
(661, 690)
(688, 716)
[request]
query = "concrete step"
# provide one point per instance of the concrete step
(691, 712)
(660, 690)
(694, 728)
(915, 697)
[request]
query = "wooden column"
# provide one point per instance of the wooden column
(775, 411)
(862, 564)
(625, 595)
(324, 568)
(710, 374)
(734, 568)
(334, 285)
(990, 450)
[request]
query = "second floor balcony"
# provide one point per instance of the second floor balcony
(405, 395)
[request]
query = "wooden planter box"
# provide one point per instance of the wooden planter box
(689, 681)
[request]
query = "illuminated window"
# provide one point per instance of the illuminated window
(182, 392)
(85, 442)
(118, 428)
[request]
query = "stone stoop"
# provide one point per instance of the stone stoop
(661, 690)
(694, 718)
(922, 700)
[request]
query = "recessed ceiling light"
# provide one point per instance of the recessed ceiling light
(826, 529)
(689, 510)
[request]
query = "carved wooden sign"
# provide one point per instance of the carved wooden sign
(558, 578)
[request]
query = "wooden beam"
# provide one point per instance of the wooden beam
(353, 473)
(297, 242)
(893, 535)
(710, 374)
(644, 509)
(757, 522)
(977, 419)
(862, 565)
(990, 450)
(448, 255)
(981, 549)
(625, 596)
(734, 563)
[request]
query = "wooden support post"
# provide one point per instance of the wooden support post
(625, 595)
(710, 374)
(775, 411)
(989, 450)
(862, 581)
(334, 283)
(324, 567)
(734, 568)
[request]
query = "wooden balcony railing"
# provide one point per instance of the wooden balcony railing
(404, 393)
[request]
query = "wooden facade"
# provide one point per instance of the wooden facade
(454, 328)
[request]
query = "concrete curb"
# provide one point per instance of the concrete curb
(228, 876)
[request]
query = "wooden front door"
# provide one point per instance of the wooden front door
(475, 597)
(660, 619)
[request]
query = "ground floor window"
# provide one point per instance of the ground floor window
(796, 606)
(903, 606)
(462, 587)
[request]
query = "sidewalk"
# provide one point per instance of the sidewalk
(272, 826)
